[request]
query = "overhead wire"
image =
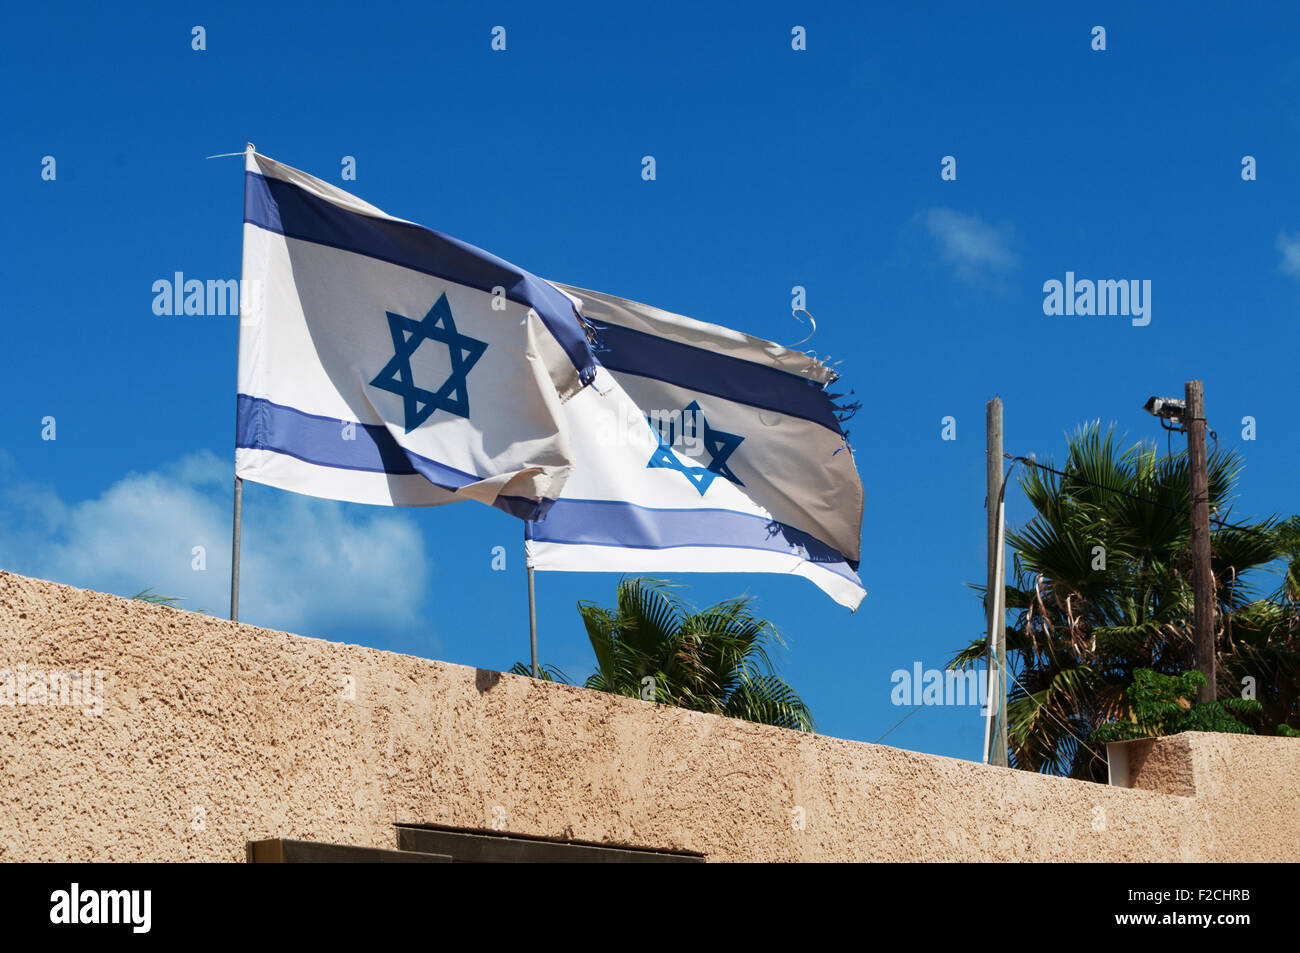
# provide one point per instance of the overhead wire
(1075, 478)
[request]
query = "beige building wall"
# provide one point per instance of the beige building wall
(214, 733)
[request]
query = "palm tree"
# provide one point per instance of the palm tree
(1103, 588)
(545, 673)
(655, 646)
(1264, 640)
(158, 599)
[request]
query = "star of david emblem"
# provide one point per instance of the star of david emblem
(719, 444)
(396, 377)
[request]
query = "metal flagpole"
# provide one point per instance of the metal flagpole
(249, 148)
(234, 552)
(532, 602)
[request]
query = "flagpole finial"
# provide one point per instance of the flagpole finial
(249, 147)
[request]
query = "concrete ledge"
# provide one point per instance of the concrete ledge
(310, 852)
(213, 734)
(1154, 764)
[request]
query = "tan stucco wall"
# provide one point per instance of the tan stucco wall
(214, 733)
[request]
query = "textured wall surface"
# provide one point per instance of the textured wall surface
(213, 733)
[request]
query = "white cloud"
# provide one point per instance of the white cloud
(1289, 246)
(970, 245)
(310, 566)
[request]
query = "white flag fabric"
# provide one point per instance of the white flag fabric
(382, 362)
(701, 449)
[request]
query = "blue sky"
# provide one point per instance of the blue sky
(775, 168)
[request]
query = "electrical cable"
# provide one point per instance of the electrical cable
(1222, 524)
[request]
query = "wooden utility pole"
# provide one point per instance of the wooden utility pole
(1202, 578)
(995, 594)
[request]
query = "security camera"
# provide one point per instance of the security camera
(1166, 408)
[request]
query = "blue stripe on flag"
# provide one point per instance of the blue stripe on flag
(617, 523)
(731, 378)
(289, 210)
(263, 425)
(282, 207)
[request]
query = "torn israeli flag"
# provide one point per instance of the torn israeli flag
(701, 449)
(382, 362)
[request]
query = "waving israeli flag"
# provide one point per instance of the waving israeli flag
(381, 362)
(701, 449)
